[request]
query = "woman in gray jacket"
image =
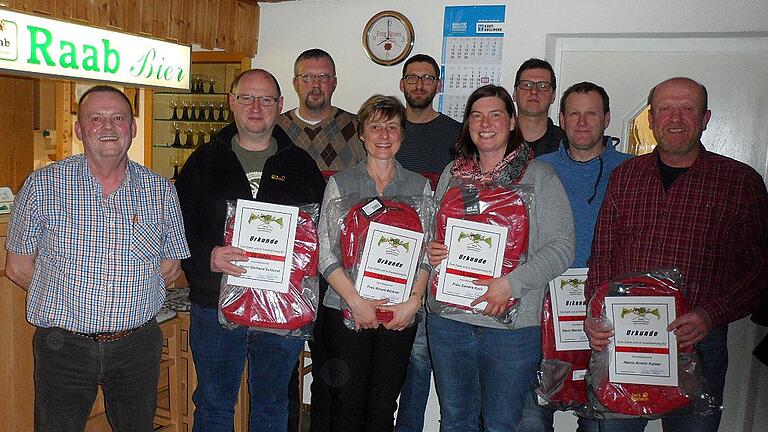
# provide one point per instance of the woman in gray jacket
(483, 367)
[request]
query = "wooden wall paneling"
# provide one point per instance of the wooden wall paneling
(16, 139)
(210, 24)
(147, 16)
(223, 36)
(162, 22)
(148, 123)
(239, 26)
(101, 11)
(133, 16)
(253, 36)
(117, 14)
(42, 6)
(62, 9)
(83, 11)
(64, 122)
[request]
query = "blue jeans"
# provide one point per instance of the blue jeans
(219, 357)
(415, 391)
(713, 358)
(69, 369)
(481, 371)
(542, 419)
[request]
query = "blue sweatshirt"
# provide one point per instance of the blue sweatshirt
(585, 184)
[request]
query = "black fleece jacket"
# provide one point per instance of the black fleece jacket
(212, 175)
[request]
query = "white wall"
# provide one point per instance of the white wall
(286, 29)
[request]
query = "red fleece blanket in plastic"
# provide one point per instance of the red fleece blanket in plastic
(493, 205)
(355, 230)
(639, 399)
(271, 309)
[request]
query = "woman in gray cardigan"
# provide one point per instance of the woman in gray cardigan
(482, 367)
(368, 365)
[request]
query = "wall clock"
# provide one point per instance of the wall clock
(388, 38)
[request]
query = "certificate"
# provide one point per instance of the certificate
(389, 263)
(266, 232)
(569, 308)
(642, 350)
(475, 251)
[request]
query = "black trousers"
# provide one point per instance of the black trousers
(367, 370)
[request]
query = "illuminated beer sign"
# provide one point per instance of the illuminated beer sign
(31, 44)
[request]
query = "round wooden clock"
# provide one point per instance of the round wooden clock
(388, 38)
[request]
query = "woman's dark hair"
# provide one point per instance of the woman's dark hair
(465, 147)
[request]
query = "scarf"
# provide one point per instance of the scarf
(509, 170)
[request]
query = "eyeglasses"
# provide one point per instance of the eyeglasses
(322, 77)
(246, 99)
(426, 79)
(528, 85)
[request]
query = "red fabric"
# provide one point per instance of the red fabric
(572, 393)
(498, 206)
(355, 229)
(640, 399)
(271, 309)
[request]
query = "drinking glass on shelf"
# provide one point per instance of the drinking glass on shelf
(210, 115)
(201, 132)
(221, 117)
(175, 109)
(175, 162)
(189, 142)
(176, 130)
(185, 110)
(193, 110)
(211, 82)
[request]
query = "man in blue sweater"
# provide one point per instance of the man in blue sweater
(584, 162)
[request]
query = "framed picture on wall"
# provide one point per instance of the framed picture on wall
(79, 88)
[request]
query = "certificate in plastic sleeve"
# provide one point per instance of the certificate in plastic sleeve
(389, 263)
(569, 309)
(266, 232)
(475, 251)
(642, 350)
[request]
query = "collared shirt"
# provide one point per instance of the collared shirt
(712, 224)
(97, 265)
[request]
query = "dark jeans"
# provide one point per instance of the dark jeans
(367, 371)
(713, 359)
(70, 368)
(219, 356)
(415, 392)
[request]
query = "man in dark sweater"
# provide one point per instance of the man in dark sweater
(429, 135)
(535, 86)
(248, 159)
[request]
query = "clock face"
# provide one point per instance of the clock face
(388, 38)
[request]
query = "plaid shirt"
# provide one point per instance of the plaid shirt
(712, 224)
(97, 265)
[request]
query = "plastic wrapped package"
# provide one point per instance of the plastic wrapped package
(622, 400)
(488, 203)
(560, 377)
(351, 218)
(288, 314)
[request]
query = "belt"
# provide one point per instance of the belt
(109, 336)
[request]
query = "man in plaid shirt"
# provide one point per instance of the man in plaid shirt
(683, 206)
(95, 239)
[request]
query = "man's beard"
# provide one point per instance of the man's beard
(315, 105)
(419, 102)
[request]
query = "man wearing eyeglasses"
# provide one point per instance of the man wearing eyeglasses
(326, 132)
(429, 135)
(535, 86)
(426, 149)
(248, 159)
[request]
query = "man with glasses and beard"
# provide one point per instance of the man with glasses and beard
(429, 135)
(326, 132)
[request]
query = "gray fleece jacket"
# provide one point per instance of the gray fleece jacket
(550, 246)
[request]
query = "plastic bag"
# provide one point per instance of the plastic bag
(561, 374)
(288, 314)
(489, 203)
(351, 217)
(622, 400)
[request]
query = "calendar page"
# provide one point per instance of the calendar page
(473, 44)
